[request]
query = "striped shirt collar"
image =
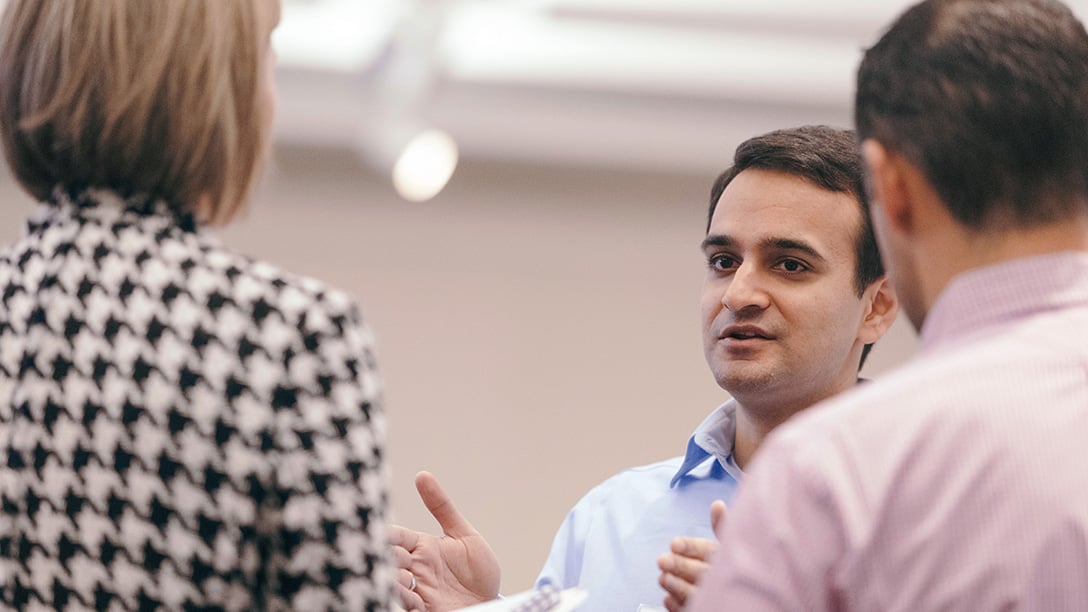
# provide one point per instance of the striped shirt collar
(979, 300)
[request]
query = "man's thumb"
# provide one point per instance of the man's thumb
(441, 507)
(717, 517)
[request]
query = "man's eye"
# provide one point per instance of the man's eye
(722, 262)
(792, 265)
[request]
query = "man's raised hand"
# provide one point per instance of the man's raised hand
(439, 573)
(687, 561)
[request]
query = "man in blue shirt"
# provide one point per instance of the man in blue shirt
(793, 299)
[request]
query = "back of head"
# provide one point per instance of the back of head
(989, 99)
(159, 99)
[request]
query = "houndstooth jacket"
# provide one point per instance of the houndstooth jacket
(180, 426)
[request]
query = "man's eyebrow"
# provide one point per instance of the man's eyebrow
(790, 244)
(766, 244)
(717, 240)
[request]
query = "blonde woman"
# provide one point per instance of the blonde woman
(180, 426)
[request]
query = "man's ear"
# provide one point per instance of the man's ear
(881, 308)
(888, 188)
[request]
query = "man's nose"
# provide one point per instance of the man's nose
(746, 290)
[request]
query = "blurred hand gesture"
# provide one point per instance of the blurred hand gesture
(685, 564)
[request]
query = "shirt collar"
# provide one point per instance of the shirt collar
(980, 299)
(712, 438)
(106, 207)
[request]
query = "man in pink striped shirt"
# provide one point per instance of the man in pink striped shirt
(959, 482)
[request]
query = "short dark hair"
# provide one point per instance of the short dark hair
(825, 156)
(989, 99)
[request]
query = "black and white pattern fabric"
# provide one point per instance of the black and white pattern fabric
(544, 598)
(181, 427)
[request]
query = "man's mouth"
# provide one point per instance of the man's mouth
(745, 332)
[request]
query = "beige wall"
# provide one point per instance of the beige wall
(537, 327)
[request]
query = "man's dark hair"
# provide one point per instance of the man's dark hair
(827, 157)
(989, 99)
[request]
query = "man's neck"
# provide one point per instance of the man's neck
(955, 250)
(751, 430)
(756, 419)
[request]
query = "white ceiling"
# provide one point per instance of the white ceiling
(654, 84)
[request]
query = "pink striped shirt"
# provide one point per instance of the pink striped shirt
(959, 482)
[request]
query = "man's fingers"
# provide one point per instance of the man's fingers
(401, 557)
(688, 570)
(717, 517)
(405, 538)
(676, 587)
(410, 600)
(693, 548)
(441, 507)
(672, 605)
(406, 579)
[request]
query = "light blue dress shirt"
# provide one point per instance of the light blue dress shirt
(610, 541)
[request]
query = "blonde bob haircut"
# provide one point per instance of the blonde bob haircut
(156, 98)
